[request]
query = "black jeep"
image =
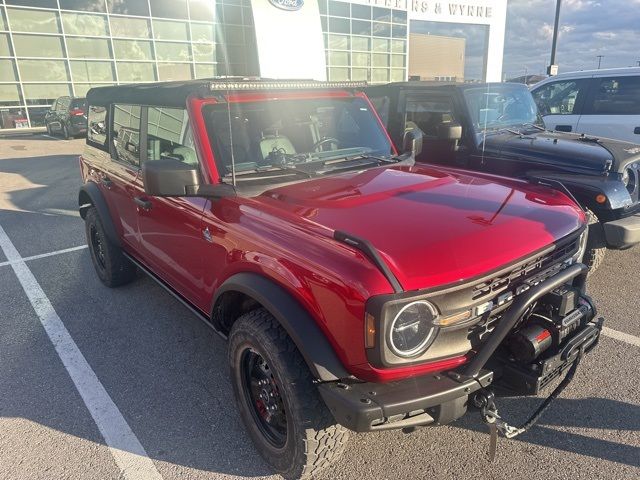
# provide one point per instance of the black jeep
(496, 128)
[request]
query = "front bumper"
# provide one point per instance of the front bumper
(623, 233)
(440, 399)
(433, 399)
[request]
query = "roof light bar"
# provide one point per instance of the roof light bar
(279, 85)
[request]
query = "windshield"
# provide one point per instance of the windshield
(292, 139)
(501, 106)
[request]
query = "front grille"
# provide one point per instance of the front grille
(515, 276)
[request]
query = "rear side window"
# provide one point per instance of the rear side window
(125, 139)
(559, 98)
(616, 96)
(169, 135)
(97, 131)
(428, 114)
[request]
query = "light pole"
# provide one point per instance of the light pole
(553, 68)
(600, 57)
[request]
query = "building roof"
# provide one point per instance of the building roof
(175, 94)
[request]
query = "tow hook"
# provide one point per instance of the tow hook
(484, 399)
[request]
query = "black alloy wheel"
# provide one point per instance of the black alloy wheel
(278, 400)
(97, 246)
(112, 267)
(265, 402)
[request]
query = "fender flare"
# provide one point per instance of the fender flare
(97, 200)
(297, 322)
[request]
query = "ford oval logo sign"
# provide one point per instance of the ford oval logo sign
(287, 4)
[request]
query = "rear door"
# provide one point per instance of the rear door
(612, 109)
(561, 102)
(120, 177)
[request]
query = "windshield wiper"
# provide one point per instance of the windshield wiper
(363, 156)
(542, 129)
(269, 169)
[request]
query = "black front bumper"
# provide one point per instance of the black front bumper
(623, 233)
(440, 399)
(434, 399)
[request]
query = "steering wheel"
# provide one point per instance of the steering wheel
(321, 142)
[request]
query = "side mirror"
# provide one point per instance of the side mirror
(170, 178)
(450, 132)
(412, 142)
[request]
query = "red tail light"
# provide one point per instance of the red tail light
(76, 112)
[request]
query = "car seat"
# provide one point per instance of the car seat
(187, 154)
(275, 142)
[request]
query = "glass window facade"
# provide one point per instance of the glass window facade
(51, 48)
(364, 43)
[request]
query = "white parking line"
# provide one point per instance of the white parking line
(44, 255)
(127, 451)
(623, 337)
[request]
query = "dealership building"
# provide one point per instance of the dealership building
(51, 48)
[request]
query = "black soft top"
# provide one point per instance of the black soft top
(175, 94)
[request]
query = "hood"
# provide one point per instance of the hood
(572, 151)
(433, 226)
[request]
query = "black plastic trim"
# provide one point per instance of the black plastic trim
(301, 327)
(432, 399)
(98, 201)
(367, 248)
(557, 184)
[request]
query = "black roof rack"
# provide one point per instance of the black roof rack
(174, 94)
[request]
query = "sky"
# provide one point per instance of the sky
(587, 28)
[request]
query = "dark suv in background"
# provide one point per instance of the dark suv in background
(67, 117)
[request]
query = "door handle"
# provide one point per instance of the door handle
(143, 203)
(564, 128)
(636, 130)
(106, 182)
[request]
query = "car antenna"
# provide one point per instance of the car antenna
(233, 160)
(484, 127)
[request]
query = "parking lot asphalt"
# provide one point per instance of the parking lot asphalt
(165, 371)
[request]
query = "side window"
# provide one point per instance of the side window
(616, 96)
(125, 138)
(558, 98)
(169, 135)
(427, 114)
(97, 122)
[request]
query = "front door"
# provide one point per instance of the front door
(172, 242)
(559, 103)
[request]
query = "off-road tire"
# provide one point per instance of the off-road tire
(49, 131)
(313, 440)
(65, 132)
(112, 267)
(596, 243)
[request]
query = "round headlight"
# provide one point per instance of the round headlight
(412, 329)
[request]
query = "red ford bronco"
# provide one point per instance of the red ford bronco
(357, 290)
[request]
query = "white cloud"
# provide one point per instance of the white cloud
(588, 28)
